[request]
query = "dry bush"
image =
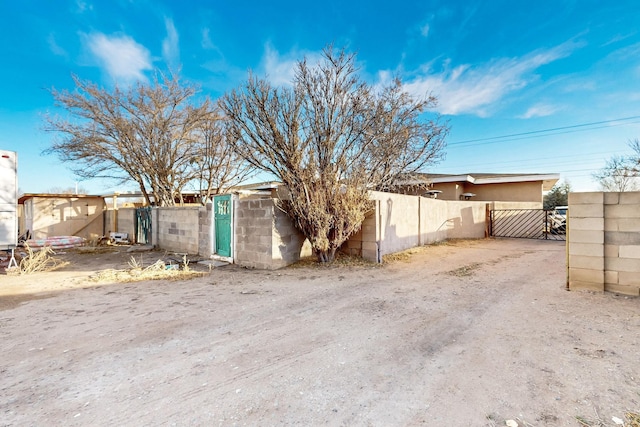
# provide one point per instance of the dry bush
(156, 271)
(36, 261)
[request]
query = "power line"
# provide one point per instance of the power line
(546, 132)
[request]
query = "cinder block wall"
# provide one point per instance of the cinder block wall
(177, 229)
(122, 220)
(265, 237)
(604, 242)
(253, 233)
(586, 241)
(205, 238)
(622, 242)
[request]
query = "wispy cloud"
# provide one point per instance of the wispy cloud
(170, 44)
(83, 6)
(469, 89)
(280, 69)
(121, 57)
(539, 110)
(55, 47)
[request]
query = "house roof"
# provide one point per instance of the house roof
(27, 196)
(548, 179)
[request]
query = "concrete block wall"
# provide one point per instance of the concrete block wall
(604, 242)
(254, 233)
(288, 244)
(622, 242)
(205, 237)
(121, 220)
(177, 229)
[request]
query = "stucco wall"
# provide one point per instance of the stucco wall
(509, 192)
(64, 216)
(399, 222)
(604, 242)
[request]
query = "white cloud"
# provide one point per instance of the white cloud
(170, 44)
(539, 110)
(424, 30)
(120, 56)
(279, 71)
(55, 47)
(206, 39)
(467, 89)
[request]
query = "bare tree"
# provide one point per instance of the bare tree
(621, 173)
(155, 134)
(330, 138)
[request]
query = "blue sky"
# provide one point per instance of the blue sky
(562, 76)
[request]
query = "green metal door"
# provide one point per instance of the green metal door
(222, 224)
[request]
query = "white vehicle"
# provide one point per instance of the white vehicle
(8, 200)
(558, 220)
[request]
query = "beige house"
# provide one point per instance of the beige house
(49, 215)
(485, 187)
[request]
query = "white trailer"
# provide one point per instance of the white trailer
(8, 200)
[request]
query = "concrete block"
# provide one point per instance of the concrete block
(576, 285)
(592, 224)
(586, 198)
(586, 249)
(611, 198)
(622, 289)
(630, 251)
(586, 275)
(610, 277)
(628, 224)
(587, 236)
(370, 255)
(627, 278)
(369, 246)
(628, 265)
(630, 198)
(611, 251)
(611, 224)
(587, 262)
(622, 211)
(586, 211)
(621, 238)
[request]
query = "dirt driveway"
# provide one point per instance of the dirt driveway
(470, 333)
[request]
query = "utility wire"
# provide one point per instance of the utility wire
(546, 132)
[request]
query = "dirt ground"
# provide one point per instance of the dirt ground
(470, 333)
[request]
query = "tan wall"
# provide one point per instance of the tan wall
(64, 216)
(507, 192)
(400, 222)
(604, 242)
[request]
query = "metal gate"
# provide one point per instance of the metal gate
(528, 224)
(222, 223)
(143, 225)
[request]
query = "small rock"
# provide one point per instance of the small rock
(511, 423)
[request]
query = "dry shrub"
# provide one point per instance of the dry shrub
(633, 419)
(156, 271)
(35, 261)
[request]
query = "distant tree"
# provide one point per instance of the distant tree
(156, 135)
(621, 173)
(558, 196)
(330, 138)
(67, 190)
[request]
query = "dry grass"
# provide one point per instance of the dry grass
(38, 261)
(465, 271)
(632, 419)
(341, 260)
(156, 271)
